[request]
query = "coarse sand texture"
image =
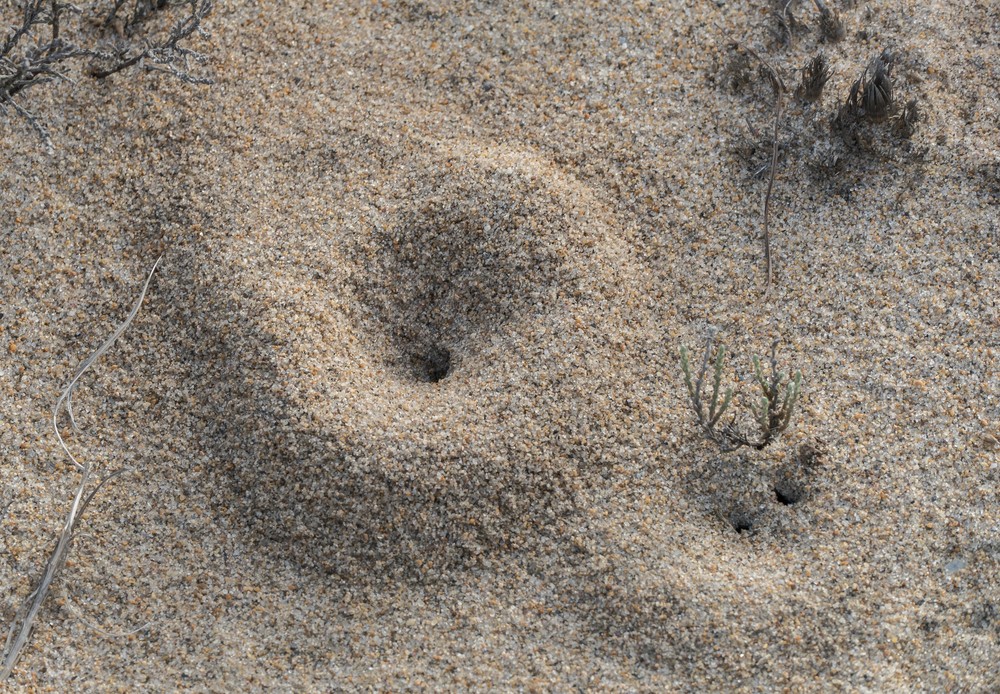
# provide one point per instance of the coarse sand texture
(403, 408)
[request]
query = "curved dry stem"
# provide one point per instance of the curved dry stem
(25, 618)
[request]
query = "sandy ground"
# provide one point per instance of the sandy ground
(403, 408)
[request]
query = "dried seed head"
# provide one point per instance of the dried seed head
(815, 75)
(907, 119)
(871, 95)
(830, 27)
(876, 92)
(787, 23)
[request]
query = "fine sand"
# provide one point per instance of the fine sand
(403, 408)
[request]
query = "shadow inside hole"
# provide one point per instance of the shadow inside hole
(788, 492)
(432, 365)
(741, 521)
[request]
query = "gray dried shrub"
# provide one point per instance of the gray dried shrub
(787, 23)
(815, 75)
(831, 28)
(39, 48)
(164, 55)
(124, 21)
(871, 94)
(33, 53)
(872, 99)
(905, 122)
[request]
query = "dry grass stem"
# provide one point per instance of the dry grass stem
(778, 86)
(21, 627)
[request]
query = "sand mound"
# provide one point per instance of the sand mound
(422, 405)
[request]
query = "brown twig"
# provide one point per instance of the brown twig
(166, 56)
(778, 85)
(778, 107)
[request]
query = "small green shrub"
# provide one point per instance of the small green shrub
(772, 410)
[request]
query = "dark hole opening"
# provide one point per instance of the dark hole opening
(741, 522)
(435, 364)
(788, 494)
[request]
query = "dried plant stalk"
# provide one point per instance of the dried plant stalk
(20, 629)
(779, 88)
(831, 28)
(815, 75)
(871, 94)
(39, 49)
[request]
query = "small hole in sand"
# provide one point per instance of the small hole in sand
(788, 493)
(741, 521)
(434, 365)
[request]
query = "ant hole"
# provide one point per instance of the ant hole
(788, 493)
(741, 522)
(434, 365)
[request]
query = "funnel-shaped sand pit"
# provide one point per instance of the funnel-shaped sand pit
(391, 437)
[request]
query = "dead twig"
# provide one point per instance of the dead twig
(39, 49)
(20, 629)
(778, 86)
(165, 56)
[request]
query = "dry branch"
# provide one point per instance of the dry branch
(20, 629)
